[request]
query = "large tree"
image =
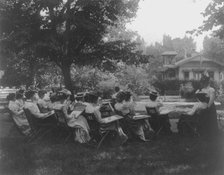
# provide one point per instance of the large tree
(63, 31)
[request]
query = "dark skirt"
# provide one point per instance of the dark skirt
(161, 124)
(207, 122)
(132, 128)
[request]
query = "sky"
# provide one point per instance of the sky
(171, 17)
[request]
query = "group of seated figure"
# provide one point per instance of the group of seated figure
(89, 125)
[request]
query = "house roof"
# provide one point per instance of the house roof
(169, 53)
(198, 58)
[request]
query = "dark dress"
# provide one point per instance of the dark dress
(207, 119)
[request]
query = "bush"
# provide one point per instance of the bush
(174, 85)
(136, 77)
(106, 88)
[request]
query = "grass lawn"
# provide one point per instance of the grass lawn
(166, 155)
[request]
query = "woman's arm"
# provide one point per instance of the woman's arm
(211, 97)
(98, 116)
(193, 110)
(16, 110)
(65, 112)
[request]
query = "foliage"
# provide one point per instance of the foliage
(214, 19)
(155, 50)
(213, 48)
(65, 32)
(184, 46)
(49, 75)
(136, 76)
(173, 85)
(106, 88)
(88, 78)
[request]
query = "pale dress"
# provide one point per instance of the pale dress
(19, 117)
(78, 122)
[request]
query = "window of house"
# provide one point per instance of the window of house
(172, 74)
(186, 75)
(197, 75)
(211, 74)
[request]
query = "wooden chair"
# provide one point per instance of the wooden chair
(14, 123)
(38, 127)
(62, 123)
(158, 122)
(97, 131)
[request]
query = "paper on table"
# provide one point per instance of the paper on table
(75, 114)
(164, 110)
(112, 118)
(138, 117)
(79, 107)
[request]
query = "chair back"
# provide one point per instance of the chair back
(89, 116)
(11, 118)
(106, 110)
(151, 111)
(61, 117)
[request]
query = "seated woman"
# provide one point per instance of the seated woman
(42, 103)
(16, 108)
(78, 122)
(31, 105)
(125, 107)
(153, 102)
(189, 123)
(159, 123)
(96, 122)
(201, 104)
(208, 123)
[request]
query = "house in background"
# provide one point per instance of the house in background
(190, 68)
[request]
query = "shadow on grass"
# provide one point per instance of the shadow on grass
(167, 155)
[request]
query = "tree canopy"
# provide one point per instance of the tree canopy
(62, 31)
(213, 48)
(214, 19)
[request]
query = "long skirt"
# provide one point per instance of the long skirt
(133, 128)
(81, 135)
(81, 129)
(207, 122)
(22, 124)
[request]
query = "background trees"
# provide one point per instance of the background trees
(64, 32)
(213, 48)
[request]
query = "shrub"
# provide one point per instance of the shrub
(174, 85)
(136, 76)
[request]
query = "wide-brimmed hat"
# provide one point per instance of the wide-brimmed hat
(154, 93)
(30, 93)
(65, 91)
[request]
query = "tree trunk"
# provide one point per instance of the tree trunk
(67, 77)
(30, 81)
